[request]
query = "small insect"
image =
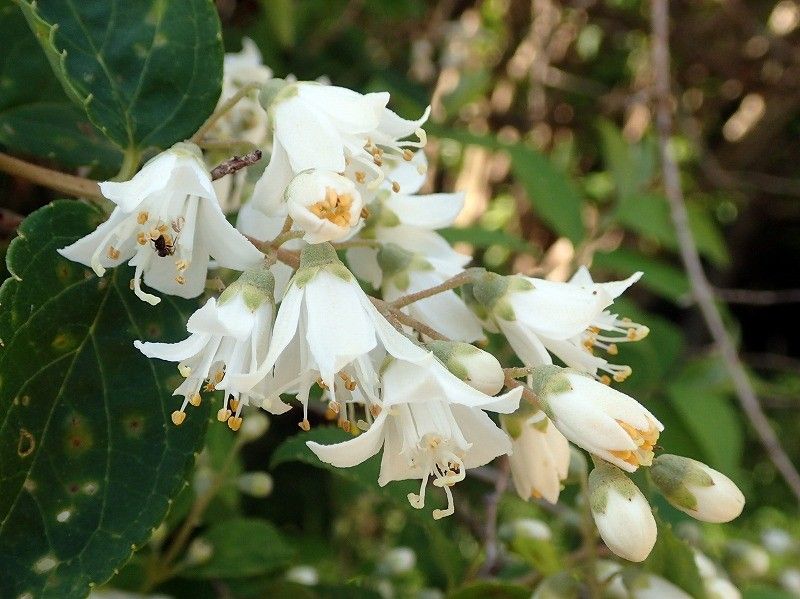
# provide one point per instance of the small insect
(164, 245)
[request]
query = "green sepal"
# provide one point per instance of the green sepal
(491, 291)
(273, 92)
(255, 286)
(602, 480)
(317, 257)
(547, 380)
(396, 263)
(673, 475)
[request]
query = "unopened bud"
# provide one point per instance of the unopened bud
(643, 585)
(399, 560)
(622, 514)
(477, 368)
(696, 489)
(721, 588)
(254, 426)
(255, 484)
(305, 575)
(745, 560)
(199, 552)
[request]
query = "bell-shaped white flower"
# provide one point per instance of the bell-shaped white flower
(621, 513)
(540, 457)
(431, 425)
(229, 336)
(166, 223)
(324, 205)
(601, 420)
(330, 128)
(696, 489)
(405, 272)
(327, 327)
(399, 216)
(540, 317)
(479, 369)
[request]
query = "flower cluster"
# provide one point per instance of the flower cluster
(399, 374)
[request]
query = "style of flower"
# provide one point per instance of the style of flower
(166, 223)
(326, 327)
(324, 205)
(539, 317)
(229, 336)
(540, 457)
(601, 420)
(621, 513)
(405, 272)
(431, 424)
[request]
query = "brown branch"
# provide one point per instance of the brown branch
(701, 288)
(234, 164)
(462, 278)
(758, 297)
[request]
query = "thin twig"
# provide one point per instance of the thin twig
(759, 297)
(222, 110)
(234, 164)
(69, 184)
(492, 559)
(462, 278)
(701, 288)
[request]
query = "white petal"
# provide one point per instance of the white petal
(528, 347)
(409, 174)
(617, 288)
(82, 250)
(268, 191)
(309, 141)
(153, 177)
(422, 241)
(574, 356)
(161, 274)
(488, 441)
(394, 464)
(353, 112)
(363, 262)
(432, 211)
(174, 352)
(627, 526)
(352, 452)
(395, 127)
(582, 276)
(396, 344)
(228, 246)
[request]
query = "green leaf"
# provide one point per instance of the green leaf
(89, 458)
(765, 592)
(620, 158)
(35, 116)
(554, 197)
(241, 547)
(484, 238)
(491, 590)
(659, 277)
(147, 73)
(672, 558)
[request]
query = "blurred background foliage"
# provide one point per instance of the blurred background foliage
(542, 115)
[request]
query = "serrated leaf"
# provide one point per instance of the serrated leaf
(491, 590)
(672, 558)
(89, 459)
(554, 197)
(147, 73)
(36, 117)
(241, 547)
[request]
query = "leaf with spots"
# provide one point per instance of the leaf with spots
(89, 459)
(36, 117)
(147, 73)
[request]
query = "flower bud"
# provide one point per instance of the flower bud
(399, 560)
(255, 484)
(790, 581)
(721, 588)
(745, 560)
(696, 489)
(305, 575)
(199, 552)
(643, 585)
(528, 528)
(558, 586)
(254, 426)
(622, 514)
(324, 205)
(477, 368)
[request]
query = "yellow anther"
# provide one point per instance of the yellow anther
(181, 265)
(178, 417)
(141, 238)
(113, 252)
(535, 494)
(334, 407)
(321, 384)
(142, 217)
(612, 349)
(234, 404)
(364, 213)
(375, 410)
(195, 399)
(304, 424)
(395, 187)
(162, 228)
(155, 234)
(345, 424)
(361, 176)
(407, 154)
(180, 279)
(234, 423)
(223, 414)
(605, 379)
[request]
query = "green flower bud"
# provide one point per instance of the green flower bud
(477, 368)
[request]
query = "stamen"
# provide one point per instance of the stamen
(395, 187)
(450, 510)
(195, 399)
(113, 252)
(178, 417)
(141, 238)
(361, 176)
(234, 423)
(180, 279)
(304, 424)
(142, 217)
(223, 414)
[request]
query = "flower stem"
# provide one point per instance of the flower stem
(69, 184)
(130, 162)
(221, 111)
(458, 280)
(357, 243)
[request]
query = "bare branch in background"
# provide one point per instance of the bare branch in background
(701, 288)
(759, 297)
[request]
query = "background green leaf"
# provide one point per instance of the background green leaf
(89, 459)
(148, 73)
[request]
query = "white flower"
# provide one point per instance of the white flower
(430, 425)
(329, 128)
(324, 205)
(540, 458)
(405, 272)
(227, 337)
(166, 223)
(326, 327)
(721, 588)
(479, 369)
(540, 317)
(408, 221)
(399, 560)
(621, 513)
(696, 489)
(790, 581)
(643, 585)
(601, 420)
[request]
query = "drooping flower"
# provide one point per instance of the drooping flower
(229, 336)
(399, 216)
(431, 425)
(540, 317)
(696, 489)
(405, 272)
(479, 369)
(540, 457)
(621, 513)
(327, 327)
(601, 420)
(324, 205)
(166, 223)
